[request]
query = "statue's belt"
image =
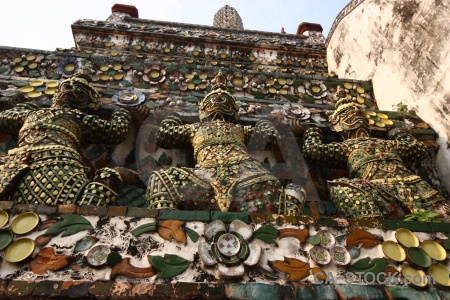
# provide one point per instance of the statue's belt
(62, 129)
(355, 165)
(37, 153)
(406, 179)
(217, 141)
(221, 161)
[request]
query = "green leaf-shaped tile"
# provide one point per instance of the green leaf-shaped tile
(19, 83)
(143, 85)
(150, 227)
(292, 98)
(192, 234)
(365, 265)
(126, 83)
(152, 105)
(170, 265)
(137, 67)
(109, 92)
(267, 234)
(70, 225)
(10, 93)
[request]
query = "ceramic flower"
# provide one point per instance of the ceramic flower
(154, 75)
(237, 81)
(128, 98)
(316, 89)
(69, 67)
(296, 111)
(229, 250)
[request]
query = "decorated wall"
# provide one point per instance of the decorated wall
(293, 183)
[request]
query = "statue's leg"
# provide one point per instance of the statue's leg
(51, 184)
(102, 190)
(12, 169)
(177, 188)
(356, 198)
(259, 193)
(412, 193)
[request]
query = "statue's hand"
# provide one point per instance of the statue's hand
(20, 98)
(138, 114)
(313, 131)
(171, 121)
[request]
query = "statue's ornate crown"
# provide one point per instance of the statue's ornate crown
(219, 87)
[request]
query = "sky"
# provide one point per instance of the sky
(46, 24)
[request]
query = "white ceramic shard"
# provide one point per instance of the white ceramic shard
(254, 255)
(235, 271)
(205, 255)
(242, 228)
(212, 228)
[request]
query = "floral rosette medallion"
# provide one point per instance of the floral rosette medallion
(68, 67)
(128, 98)
(320, 255)
(327, 239)
(229, 250)
(340, 255)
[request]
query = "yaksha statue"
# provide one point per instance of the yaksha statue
(378, 175)
(46, 166)
(226, 177)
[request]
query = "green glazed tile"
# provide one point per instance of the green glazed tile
(228, 217)
(236, 291)
(356, 291)
(184, 215)
(440, 227)
(212, 291)
(260, 291)
(411, 225)
(305, 292)
(325, 291)
(406, 292)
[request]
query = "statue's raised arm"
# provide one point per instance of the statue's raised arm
(225, 176)
(378, 174)
(47, 166)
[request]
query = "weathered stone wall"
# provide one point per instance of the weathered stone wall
(402, 46)
(62, 263)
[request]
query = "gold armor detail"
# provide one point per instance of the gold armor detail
(225, 176)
